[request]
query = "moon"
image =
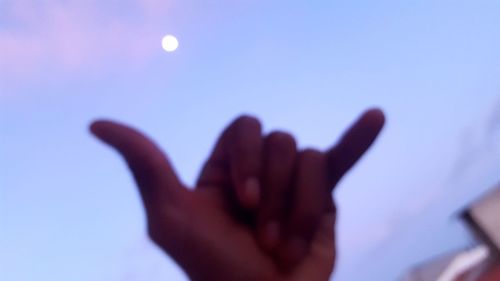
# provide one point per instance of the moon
(169, 43)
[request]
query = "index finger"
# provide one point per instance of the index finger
(235, 161)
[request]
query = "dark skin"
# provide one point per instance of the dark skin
(261, 209)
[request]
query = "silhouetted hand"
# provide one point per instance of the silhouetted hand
(261, 210)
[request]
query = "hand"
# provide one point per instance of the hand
(260, 210)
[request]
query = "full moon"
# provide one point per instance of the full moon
(169, 43)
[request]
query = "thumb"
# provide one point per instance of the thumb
(157, 182)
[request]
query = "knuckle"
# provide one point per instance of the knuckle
(280, 150)
(311, 152)
(310, 217)
(240, 149)
(246, 120)
(308, 221)
(246, 136)
(281, 139)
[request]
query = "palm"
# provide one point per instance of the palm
(227, 244)
(213, 231)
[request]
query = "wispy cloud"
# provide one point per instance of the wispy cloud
(76, 35)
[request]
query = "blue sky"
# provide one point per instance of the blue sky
(68, 208)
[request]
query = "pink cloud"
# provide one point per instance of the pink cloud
(76, 35)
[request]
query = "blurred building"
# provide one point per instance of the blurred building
(479, 262)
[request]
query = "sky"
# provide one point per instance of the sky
(68, 207)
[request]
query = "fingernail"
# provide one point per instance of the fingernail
(272, 234)
(296, 249)
(252, 191)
